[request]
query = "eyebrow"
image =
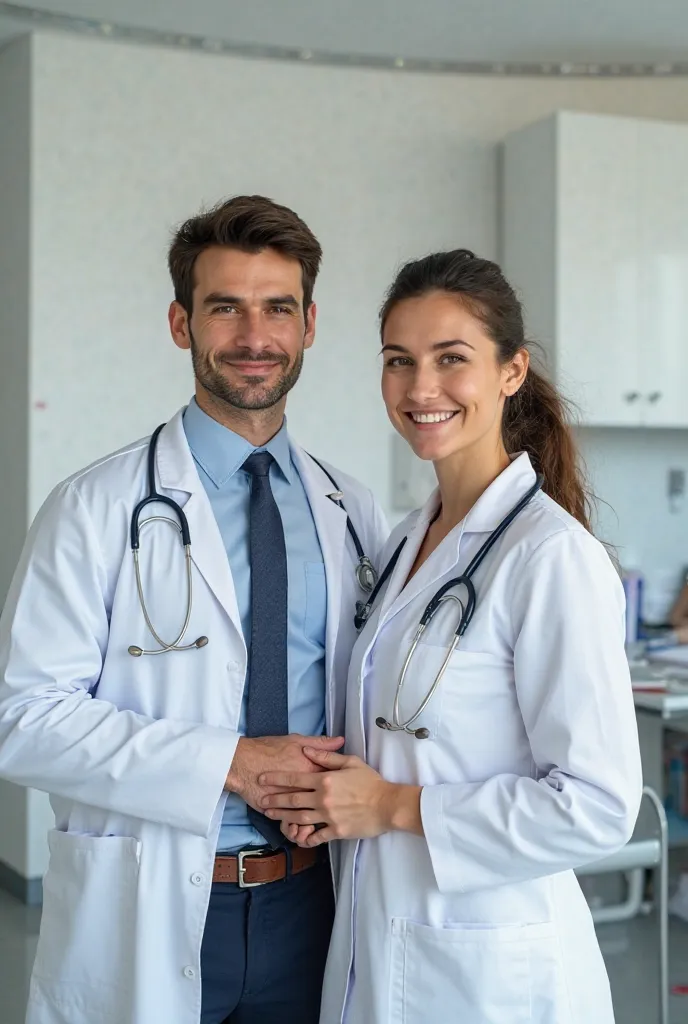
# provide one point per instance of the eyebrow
(438, 346)
(219, 299)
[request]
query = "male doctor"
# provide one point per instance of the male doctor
(168, 896)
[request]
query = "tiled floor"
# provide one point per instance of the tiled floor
(630, 952)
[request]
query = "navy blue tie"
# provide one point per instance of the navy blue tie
(267, 711)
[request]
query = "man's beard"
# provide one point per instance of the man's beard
(250, 395)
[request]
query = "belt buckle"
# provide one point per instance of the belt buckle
(241, 857)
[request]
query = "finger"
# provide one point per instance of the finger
(325, 742)
(292, 831)
(320, 836)
(272, 790)
(286, 780)
(295, 817)
(327, 758)
(287, 800)
(302, 832)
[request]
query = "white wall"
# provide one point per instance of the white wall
(15, 177)
(629, 470)
(128, 141)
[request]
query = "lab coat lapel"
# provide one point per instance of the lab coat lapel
(330, 523)
(177, 472)
(398, 595)
(485, 516)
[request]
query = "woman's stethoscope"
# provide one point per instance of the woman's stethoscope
(366, 575)
(442, 595)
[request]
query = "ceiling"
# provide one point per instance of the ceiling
(426, 30)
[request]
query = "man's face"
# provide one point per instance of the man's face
(247, 331)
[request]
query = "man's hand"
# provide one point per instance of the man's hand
(255, 756)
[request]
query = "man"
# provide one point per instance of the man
(151, 737)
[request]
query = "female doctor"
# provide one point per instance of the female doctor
(463, 823)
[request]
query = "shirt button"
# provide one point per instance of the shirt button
(197, 879)
(189, 973)
(233, 666)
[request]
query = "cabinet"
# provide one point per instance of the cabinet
(595, 240)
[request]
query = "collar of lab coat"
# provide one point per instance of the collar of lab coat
(494, 503)
(488, 512)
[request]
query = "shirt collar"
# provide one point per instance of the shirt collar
(220, 452)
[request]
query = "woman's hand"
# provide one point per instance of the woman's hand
(351, 799)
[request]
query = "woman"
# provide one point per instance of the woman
(457, 899)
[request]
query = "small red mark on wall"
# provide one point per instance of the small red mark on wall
(40, 405)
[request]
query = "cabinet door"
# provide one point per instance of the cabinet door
(663, 219)
(597, 272)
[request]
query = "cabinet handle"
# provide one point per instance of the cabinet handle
(632, 396)
(654, 396)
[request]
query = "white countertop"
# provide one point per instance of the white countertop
(666, 686)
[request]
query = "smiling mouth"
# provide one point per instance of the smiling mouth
(431, 417)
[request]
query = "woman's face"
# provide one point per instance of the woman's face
(442, 383)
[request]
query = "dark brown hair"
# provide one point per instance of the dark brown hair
(248, 223)
(536, 419)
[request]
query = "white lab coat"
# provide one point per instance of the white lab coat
(137, 773)
(532, 768)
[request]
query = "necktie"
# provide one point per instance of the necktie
(267, 712)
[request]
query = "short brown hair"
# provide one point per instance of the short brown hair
(248, 223)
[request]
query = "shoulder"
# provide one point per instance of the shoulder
(548, 543)
(109, 478)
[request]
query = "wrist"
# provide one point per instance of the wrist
(402, 805)
(234, 782)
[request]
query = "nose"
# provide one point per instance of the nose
(423, 387)
(252, 334)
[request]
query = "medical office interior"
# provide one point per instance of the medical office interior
(552, 137)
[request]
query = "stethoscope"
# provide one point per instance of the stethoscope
(467, 610)
(366, 575)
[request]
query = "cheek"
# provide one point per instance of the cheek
(391, 393)
(475, 389)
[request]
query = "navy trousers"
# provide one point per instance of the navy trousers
(264, 950)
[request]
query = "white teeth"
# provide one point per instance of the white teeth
(431, 417)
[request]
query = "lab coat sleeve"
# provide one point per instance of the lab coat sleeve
(54, 735)
(574, 691)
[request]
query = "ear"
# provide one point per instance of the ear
(514, 372)
(178, 320)
(309, 336)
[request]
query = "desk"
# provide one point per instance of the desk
(656, 711)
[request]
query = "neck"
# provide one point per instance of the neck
(463, 477)
(257, 426)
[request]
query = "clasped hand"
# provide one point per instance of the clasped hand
(348, 799)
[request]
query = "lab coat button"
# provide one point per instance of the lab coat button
(233, 666)
(189, 973)
(197, 879)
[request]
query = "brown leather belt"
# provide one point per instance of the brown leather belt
(250, 868)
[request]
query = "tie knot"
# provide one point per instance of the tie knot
(258, 464)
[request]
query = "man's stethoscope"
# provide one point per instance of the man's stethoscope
(442, 595)
(365, 571)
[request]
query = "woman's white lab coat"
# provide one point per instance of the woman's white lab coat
(532, 768)
(137, 768)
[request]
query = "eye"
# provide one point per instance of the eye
(224, 309)
(281, 310)
(452, 357)
(396, 361)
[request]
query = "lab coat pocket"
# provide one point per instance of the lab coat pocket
(474, 974)
(86, 947)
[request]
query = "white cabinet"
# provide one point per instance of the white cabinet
(595, 240)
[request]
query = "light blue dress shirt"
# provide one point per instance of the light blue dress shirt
(219, 454)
